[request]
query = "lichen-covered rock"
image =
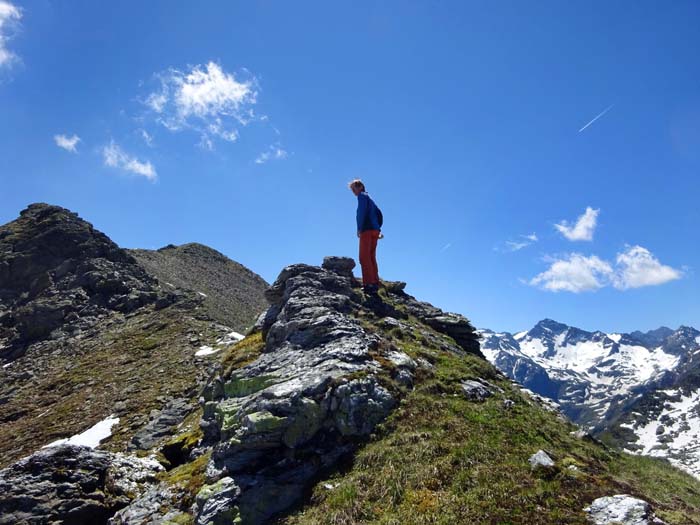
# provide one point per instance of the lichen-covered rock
(359, 405)
(153, 507)
(293, 403)
(216, 503)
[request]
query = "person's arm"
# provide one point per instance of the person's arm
(362, 209)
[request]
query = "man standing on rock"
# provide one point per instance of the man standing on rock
(369, 224)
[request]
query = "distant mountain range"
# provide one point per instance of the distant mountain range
(640, 390)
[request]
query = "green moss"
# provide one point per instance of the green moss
(264, 421)
(242, 353)
(189, 477)
(181, 519)
(240, 387)
(147, 343)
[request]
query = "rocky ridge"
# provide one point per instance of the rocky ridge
(87, 332)
(231, 293)
(317, 388)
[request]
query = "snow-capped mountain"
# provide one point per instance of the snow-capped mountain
(641, 390)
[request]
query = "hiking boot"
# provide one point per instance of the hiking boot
(372, 289)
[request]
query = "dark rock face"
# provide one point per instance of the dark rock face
(71, 485)
(57, 271)
(161, 425)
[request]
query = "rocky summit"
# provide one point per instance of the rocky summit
(139, 404)
(57, 273)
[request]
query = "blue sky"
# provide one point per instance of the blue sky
(238, 125)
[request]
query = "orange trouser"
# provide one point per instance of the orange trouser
(368, 256)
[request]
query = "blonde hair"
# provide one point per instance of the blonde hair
(357, 183)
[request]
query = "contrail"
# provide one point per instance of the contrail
(597, 117)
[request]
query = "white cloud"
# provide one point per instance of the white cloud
(584, 227)
(66, 142)
(116, 157)
(637, 267)
(206, 99)
(575, 273)
(634, 268)
(446, 247)
(274, 152)
(514, 246)
(10, 15)
(147, 138)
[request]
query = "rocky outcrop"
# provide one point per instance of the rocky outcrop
(71, 485)
(58, 275)
(454, 325)
(316, 391)
(276, 422)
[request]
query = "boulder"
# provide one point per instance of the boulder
(215, 503)
(475, 391)
(540, 459)
(71, 484)
(339, 265)
(620, 509)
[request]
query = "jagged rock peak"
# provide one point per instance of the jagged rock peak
(56, 268)
(43, 238)
(548, 326)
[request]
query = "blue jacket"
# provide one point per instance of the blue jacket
(366, 213)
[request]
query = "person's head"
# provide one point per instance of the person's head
(356, 186)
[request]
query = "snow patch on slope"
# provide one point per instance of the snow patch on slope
(675, 434)
(90, 437)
